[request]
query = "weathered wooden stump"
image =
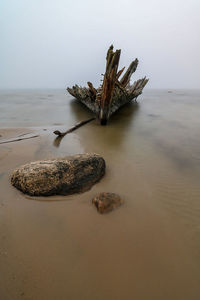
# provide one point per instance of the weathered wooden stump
(114, 92)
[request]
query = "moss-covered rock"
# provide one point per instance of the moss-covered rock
(61, 176)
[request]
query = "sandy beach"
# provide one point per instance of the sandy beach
(59, 247)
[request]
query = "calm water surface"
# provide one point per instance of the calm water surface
(60, 247)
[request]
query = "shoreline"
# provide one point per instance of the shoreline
(134, 238)
(60, 247)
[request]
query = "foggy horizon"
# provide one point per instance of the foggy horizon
(49, 44)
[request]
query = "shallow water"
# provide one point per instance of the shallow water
(60, 247)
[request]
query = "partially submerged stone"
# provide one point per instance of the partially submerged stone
(61, 176)
(106, 202)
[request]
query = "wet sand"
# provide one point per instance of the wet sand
(149, 248)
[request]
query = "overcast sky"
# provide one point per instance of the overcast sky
(56, 43)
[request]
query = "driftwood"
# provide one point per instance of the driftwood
(19, 139)
(114, 92)
(61, 134)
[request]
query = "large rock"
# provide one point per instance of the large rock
(106, 202)
(62, 176)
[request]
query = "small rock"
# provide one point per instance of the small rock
(62, 176)
(106, 202)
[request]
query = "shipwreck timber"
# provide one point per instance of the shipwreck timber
(115, 90)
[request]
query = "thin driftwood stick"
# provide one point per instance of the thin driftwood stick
(19, 139)
(57, 132)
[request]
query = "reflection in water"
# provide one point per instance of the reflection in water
(61, 134)
(57, 141)
(115, 131)
(79, 110)
(124, 116)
